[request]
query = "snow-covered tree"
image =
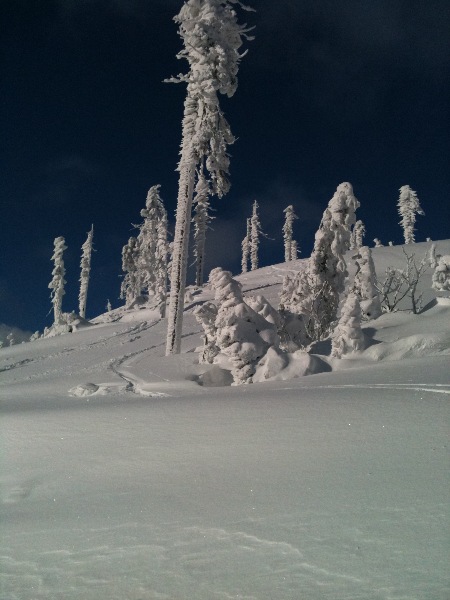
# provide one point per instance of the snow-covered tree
(288, 230)
(255, 232)
(201, 221)
(377, 243)
(359, 231)
(441, 274)
(108, 306)
(318, 287)
(130, 289)
(11, 339)
(151, 261)
(294, 250)
(245, 245)
(85, 271)
(348, 336)
(242, 334)
(58, 282)
(365, 282)
(206, 315)
(212, 38)
(432, 257)
(408, 207)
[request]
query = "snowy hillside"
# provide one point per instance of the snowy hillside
(128, 475)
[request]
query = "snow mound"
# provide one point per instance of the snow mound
(414, 346)
(84, 389)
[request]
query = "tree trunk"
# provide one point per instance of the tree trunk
(180, 254)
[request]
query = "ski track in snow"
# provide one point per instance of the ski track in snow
(425, 387)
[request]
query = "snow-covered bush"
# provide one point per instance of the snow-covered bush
(242, 334)
(441, 274)
(377, 243)
(58, 282)
(348, 336)
(85, 271)
(365, 284)
(403, 283)
(408, 207)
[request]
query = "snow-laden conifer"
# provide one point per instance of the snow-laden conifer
(212, 38)
(108, 306)
(319, 286)
(58, 282)
(348, 336)
(130, 289)
(201, 221)
(85, 271)
(255, 232)
(242, 334)
(377, 243)
(365, 284)
(441, 274)
(294, 250)
(206, 315)
(151, 261)
(408, 207)
(432, 257)
(358, 233)
(288, 230)
(245, 246)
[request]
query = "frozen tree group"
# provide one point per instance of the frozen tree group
(212, 38)
(290, 246)
(316, 290)
(408, 207)
(58, 282)
(85, 271)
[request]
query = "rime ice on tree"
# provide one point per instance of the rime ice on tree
(212, 38)
(348, 336)
(85, 272)
(131, 285)
(315, 293)
(58, 282)
(245, 246)
(201, 221)
(408, 207)
(359, 231)
(441, 274)
(364, 284)
(290, 246)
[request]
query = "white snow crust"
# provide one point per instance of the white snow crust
(128, 475)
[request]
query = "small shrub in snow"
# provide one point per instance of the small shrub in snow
(441, 275)
(348, 336)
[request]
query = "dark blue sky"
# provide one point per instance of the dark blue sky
(330, 91)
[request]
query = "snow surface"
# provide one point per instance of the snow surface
(128, 475)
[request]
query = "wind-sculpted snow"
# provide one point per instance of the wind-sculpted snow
(128, 475)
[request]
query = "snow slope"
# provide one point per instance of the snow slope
(123, 478)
